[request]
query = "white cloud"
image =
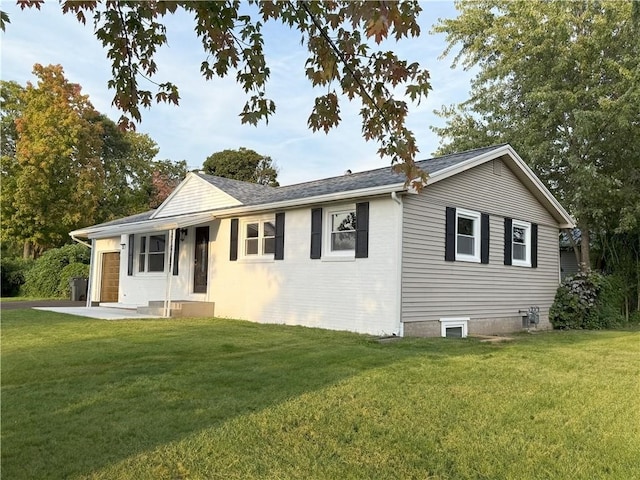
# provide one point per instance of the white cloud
(207, 119)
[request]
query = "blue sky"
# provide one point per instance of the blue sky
(207, 119)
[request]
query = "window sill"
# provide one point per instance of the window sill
(339, 258)
(516, 263)
(256, 260)
(461, 258)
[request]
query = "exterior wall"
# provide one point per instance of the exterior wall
(492, 294)
(195, 195)
(141, 288)
(359, 295)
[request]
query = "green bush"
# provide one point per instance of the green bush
(587, 301)
(45, 278)
(70, 271)
(12, 273)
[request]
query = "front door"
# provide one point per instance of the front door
(110, 281)
(201, 260)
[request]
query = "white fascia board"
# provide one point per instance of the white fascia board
(151, 225)
(522, 171)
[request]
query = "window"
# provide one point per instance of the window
(521, 243)
(343, 231)
(467, 236)
(454, 327)
(259, 238)
(340, 233)
(151, 253)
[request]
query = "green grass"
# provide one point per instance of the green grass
(222, 399)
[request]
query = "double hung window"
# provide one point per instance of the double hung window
(151, 253)
(259, 238)
(467, 235)
(521, 243)
(343, 231)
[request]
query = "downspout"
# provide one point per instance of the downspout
(397, 200)
(91, 264)
(76, 239)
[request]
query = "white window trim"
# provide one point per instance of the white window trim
(527, 226)
(475, 216)
(454, 322)
(338, 255)
(260, 256)
(137, 251)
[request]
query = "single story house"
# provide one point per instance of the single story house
(471, 254)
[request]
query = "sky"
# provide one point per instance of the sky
(207, 121)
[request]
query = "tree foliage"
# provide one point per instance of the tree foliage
(560, 81)
(337, 34)
(242, 164)
(64, 165)
(54, 179)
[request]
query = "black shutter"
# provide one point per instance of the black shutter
(279, 251)
(176, 251)
(362, 230)
(484, 238)
(316, 233)
(508, 238)
(233, 244)
(450, 235)
(534, 245)
(131, 248)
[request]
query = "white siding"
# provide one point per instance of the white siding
(359, 295)
(195, 195)
(433, 288)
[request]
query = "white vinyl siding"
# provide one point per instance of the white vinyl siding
(195, 195)
(433, 288)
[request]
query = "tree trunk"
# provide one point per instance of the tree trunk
(585, 254)
(27, 249)
(574, 245)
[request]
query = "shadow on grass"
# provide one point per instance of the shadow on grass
(81, 394)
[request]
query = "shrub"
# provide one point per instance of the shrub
(44, 279)
(587, 300)
(12, 273)
(70, 271)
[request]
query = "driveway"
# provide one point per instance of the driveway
(40, 303)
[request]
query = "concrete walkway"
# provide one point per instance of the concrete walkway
(76, 308)
(104, 313)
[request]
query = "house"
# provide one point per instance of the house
(471, 254)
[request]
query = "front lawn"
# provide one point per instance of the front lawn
(221, 399)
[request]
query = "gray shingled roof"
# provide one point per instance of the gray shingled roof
(252, 194)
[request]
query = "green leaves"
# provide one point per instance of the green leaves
(338, 35)
(243, 164)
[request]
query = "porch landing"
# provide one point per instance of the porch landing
(179, 308)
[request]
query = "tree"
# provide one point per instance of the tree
(56, 174)
(165, 177)
(341, 59)
(242, 164)
(560, 81)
